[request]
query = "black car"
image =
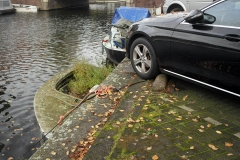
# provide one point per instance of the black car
(202, 46)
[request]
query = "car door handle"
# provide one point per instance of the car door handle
(232, 37)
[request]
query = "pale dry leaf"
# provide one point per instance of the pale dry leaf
(118, 122)
(130, 125)
(219, 132)
(100, 115)
(209, 125)
(212, 147)
(228, 144)
(226, 125)
(53, 153)
(190, 137)
(185, 97)
(47, 158)
(159, 120)
(192, 147)
(178, 119)
(121, 140)
(63, 144)
(149, 148)
(10, 158)
(121, 110)
(229, 154)
(108, 137)
(69, 130)
(202, 126)
(77, 127)
(155, 157)
(200, 130)
(169, 129)
(67, 153)
(195, 120)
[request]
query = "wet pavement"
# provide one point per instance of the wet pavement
(185, 121)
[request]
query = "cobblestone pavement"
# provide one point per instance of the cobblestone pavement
(184, 122)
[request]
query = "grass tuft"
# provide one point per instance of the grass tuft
(86, 76)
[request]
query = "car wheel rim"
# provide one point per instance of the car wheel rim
(142, 58)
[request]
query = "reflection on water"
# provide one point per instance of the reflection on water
(34, 47)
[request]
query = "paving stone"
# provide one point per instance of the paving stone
(213, 121)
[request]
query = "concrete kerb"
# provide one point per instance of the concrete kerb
(78, 124)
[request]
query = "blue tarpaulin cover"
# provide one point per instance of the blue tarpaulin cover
(132, 14)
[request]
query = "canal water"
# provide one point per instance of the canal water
(33, 48)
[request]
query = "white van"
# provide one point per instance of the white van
(184, 5)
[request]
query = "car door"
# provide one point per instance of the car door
(210, 51)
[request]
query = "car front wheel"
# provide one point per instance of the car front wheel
(143, 59)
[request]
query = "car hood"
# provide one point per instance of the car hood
(168, 20)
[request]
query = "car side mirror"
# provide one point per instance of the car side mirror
(194, 16)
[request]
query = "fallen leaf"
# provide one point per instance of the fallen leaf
(121, 110)
(209, 125)
(228, 144)
(169, 129)
(53, 153)
(229, 154)
(178, 119)
(185, 97)
(189, 137)
(121, 140)
(200, 130)
(67, 153)
(226, 125)
(195, 120)
(130, 125)
(155, 157)
(77, 127)
(149, 148)
(69, 130)
(192, 147)
(63, 144)
(219, 132)
(212, 147)
(202, 126)
(10, 158)
(100, 115)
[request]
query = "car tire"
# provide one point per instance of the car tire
(143, 59)
(178, 9)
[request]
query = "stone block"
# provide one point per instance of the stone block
(160, 83)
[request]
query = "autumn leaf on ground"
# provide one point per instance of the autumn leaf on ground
(219, 132)
(195, 120)
(228, 144)
(189, 137)
(229, 154)
(212, 147)
(200, 130)
(209, 125)
(149, 148)
(130, 125)
(155, 157)
(202, 126)
(192, 147)
(53, 153)
(185, 97)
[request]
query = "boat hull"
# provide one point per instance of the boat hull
(25, 8)
(115, 56)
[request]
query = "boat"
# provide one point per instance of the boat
(25, 8)
(6, 7)
(114, 42)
